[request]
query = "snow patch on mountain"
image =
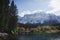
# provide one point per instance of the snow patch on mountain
(39, 17)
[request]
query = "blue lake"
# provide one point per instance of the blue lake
(42, 36)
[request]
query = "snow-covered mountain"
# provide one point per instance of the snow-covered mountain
(41, 17)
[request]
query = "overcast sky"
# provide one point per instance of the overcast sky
(32, 6)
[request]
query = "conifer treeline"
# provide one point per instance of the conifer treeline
(8, 16)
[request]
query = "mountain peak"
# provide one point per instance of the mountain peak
(39, 18)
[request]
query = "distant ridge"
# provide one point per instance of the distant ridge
(41, 18)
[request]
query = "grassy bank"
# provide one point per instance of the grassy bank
(39, 29)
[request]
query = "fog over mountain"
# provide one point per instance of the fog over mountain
(40, 17)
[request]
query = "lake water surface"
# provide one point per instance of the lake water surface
(42, 36)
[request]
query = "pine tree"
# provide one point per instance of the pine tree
(13, 17)
(4, 11)
(1, 5)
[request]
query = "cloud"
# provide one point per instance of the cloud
(24, 13)
(36, 11)
(37, 0)
(55, 4)
(29, 12)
